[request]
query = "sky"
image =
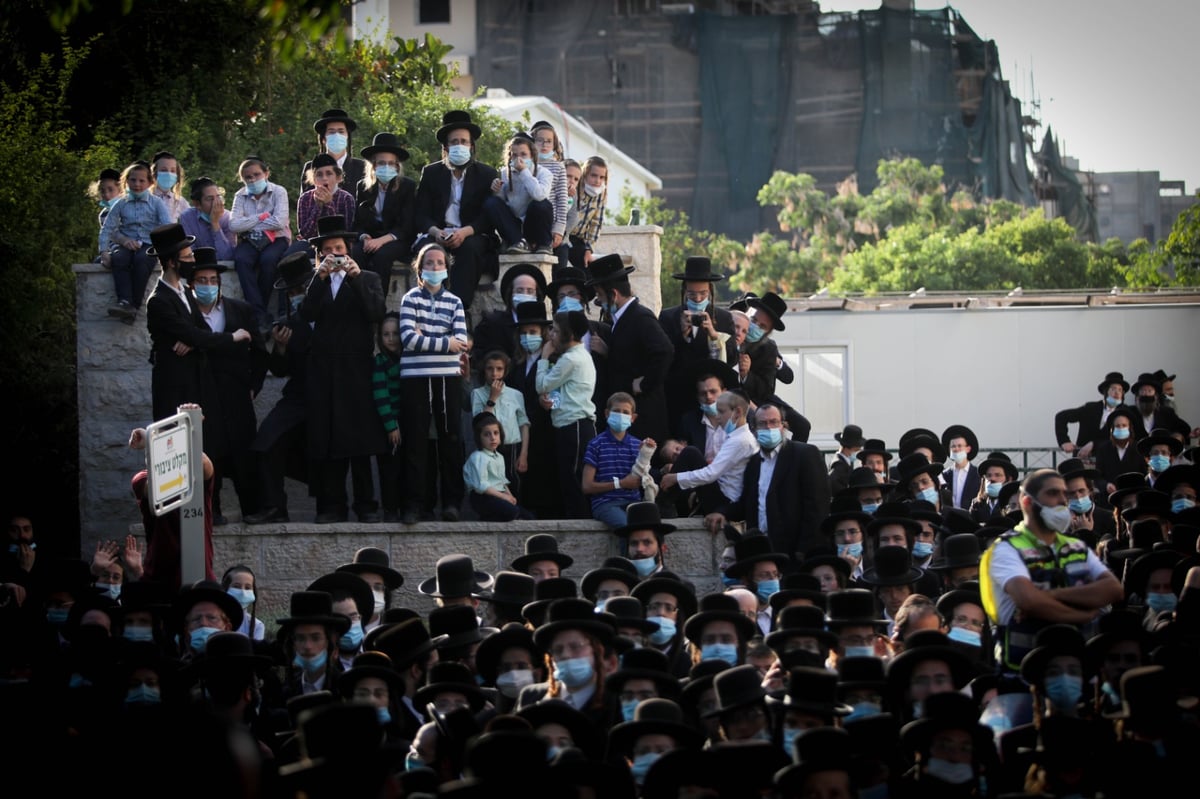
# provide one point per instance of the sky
(1115, 79)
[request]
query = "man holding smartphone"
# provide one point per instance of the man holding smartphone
(699, 331)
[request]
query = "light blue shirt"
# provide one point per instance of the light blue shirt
(574, 377)
(485, 470)
(509, 410)
(133, 219)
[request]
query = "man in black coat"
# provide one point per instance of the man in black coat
(179, 339)
(449, 216)
(1092, 417)
(237, 372)
(639, 352)
(844, 462)
(282, 440)
(694, 343)
(334, 129)
(1152, 415)
(789, 476)
(385, 230)
(497, 331)
(343, 303)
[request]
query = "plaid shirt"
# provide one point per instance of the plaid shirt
(591, 217)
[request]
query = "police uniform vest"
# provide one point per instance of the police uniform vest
(1060, 566)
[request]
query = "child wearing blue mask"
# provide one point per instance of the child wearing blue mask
(484, 474)
(609, 477)
(260, 220)
(520, 208)
(105, 192)
(241, 584)
(125, 239)
(168, 179)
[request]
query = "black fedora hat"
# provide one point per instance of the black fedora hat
(773, 306)
(447, 676)
(667, 583)
(1149, 502)
(517, 270)
(1051, 641)
(1156, 437)
(1109, 379)
(800, 621)
(314, 607)
(737, 687)
(227, 651)
(344, 583)
(512, 635)
(699, 679)
(607, 268)
(541, 546)
(168, 239)
(334, 115)
(740, 304)
(858, 672)
(911, 466)
(403, 642)
(874, 446)
(583, 730)
(1127, 484)
(958, 551)
(206, 258)
(295, 270)
(851, 436)
(643, 516)
(947, 711)
(531, 313)
(844, 508)
(207, 591)
(961, 431)
(822, 749)
(385, 143)
(1179, 474)
(894, 513)
(860, 478)
(1073, 467)
(752, 549)
(329, 227)
(1002, 460)
(1138, 573)
(630, 612)
(813, 690)
(374, 561)
(1147, 379)
(456, 625)
(712, 367)
(511, 588)
(455, 577)
(968, 593)
(457, 119)
(825, 556)
(718, 607)
(698, 269)
(893, 566)
(645, 664)
(370, 664)
(574, 614)
(925, 645)
(921, 438)
(614, 568)
(851, 608)
(545, 592)
(798, 585)
(658, 716)
(569, 276)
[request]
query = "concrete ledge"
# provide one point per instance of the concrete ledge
(287, 557)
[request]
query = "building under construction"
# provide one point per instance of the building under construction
(715, 96)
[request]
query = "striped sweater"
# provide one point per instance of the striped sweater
(385, 389)
(427, 321)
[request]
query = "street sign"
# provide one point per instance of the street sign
(169, 462)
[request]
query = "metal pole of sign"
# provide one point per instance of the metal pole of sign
(191, 515)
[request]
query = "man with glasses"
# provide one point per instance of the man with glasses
(1036, 575)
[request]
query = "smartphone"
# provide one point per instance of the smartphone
(698, 320)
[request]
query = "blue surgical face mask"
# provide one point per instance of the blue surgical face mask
(754, 333)
(665, 632)
(1064, 690)
(628, 709)
(313, 664)
(641, 766)
(697, 307)
(993, 489)
(1160, 463)
(1180, 504)
(769, 438)
(521, 299)
(859, 651)
(459, 154)
(619, 422)
(107, 203)
(244, 596)
(574, 672)
(959, 456)
(166, 180)
(730, 426)
(385, 174)
(930, 495)
(206, 295)
(1112, 402)
(138, 633)
(352, 640)
(433, 278)
(336, 142)
(296, 302)
(413, 761)
(789, 738)
(385, 715)
(111, 590)
(256, 187)
(570, 304)
(545, 156)
(922, 549)
(199, 638)
(853, 550)
(965, 636)
(645, 566)
(1120, 433)
(953, 773)
(137, 195)
(143, 695)
(870, 507)
(531, 343)
(862, 710)
(725, 652)
(205, 218)
(1161, 602)
(1080, 505)
(709, 410)
(764, 589)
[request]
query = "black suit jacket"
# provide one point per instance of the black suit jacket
(638, 347)
(759, 383)
(1111, 465)
(433, 195)
(238, 371)
(1164, 419)
(839, 475)
(681, 391)
(797, 500)
(1087, 416)
(353, 171)
(970, 487)
(399, 209)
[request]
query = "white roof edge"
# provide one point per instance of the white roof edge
(575, 127)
